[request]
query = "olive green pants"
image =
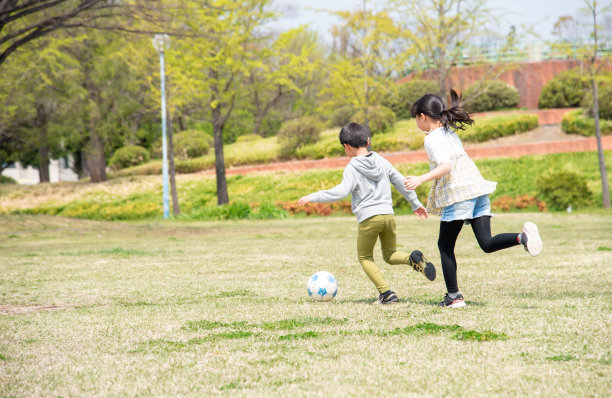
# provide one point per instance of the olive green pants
(383, 227)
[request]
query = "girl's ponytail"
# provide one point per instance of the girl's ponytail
(455, 117)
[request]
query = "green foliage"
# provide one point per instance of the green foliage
(188, 144)
(488, 128)
(490, 95)
(561, 189)
(7, 180)
(380, 118)
(473, 335)
(240, 123)
(248, 138)
(576, 122)
(238, 211)
(407, 94)
(341, 116)
(565, 90)
(131, 155)
(296, 133)
(422, 329)
(604, 97)
(191, 144)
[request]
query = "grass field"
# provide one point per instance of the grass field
(220, 309)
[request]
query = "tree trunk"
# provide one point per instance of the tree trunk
(43, 143)
(441, 50)
(605, 190)
(222, 196)
(95, 160)
(176, 210)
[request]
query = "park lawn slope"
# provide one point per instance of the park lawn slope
(139, 198)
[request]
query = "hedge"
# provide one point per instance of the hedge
(575, 122)
(498, 126)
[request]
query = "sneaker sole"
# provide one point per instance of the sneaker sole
(429, 270)
(534, 242)
(459, 304)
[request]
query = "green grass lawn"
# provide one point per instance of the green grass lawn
(174, 308)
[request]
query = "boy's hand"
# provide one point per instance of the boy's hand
(303, 200)
(412, 182)
(421, 213)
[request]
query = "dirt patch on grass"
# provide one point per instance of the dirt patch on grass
(24, 309)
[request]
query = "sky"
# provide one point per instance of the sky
(540, 14)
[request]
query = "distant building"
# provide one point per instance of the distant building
(59, 170)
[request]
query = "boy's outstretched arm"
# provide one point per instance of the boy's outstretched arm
(334, 194)
(303, 200)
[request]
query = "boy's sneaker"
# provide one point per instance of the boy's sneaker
(531, 239)
(420, 264)
(457, 302)
(388, 297)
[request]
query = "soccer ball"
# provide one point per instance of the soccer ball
(322, 286)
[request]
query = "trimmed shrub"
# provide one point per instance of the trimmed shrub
(296, 133)
(191, 144)
(490, 95)
(498, 126)
(561, 189)
(131, 155)
(188, 144)
(576, 122)
(238, 211)
(7, 180)
(407, 94)
(604, 99)
(380, 118)
(341, 116)
(565, 90)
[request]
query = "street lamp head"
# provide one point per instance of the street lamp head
(161, 42)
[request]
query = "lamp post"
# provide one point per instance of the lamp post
(161, 42)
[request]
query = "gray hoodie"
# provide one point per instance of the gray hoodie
(367, 179)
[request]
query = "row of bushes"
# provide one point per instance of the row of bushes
(403, 136)
(576, 122)
(568, 179)
(490, 128)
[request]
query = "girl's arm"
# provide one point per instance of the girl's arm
(411, 182)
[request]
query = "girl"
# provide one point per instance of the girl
(459, 194)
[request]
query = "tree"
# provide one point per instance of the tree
(442, 30)
(282, 66)
(210, 67)
(572, 41)
(369, 51)
(38, 85)
(593, 71)
(22, 21)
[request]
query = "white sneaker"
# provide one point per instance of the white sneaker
(533, 242)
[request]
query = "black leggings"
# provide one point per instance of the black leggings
(449, 231)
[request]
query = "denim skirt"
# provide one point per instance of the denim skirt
(468, 209)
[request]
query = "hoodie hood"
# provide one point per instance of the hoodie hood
(369, 166)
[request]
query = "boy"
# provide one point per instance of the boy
(367, 178)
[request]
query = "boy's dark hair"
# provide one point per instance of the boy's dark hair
(354, 134)
(431, 105)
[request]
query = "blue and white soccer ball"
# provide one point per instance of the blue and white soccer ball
(322, 286)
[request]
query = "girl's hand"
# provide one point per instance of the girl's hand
(303, 200)
(421, 213)
(412, 182)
